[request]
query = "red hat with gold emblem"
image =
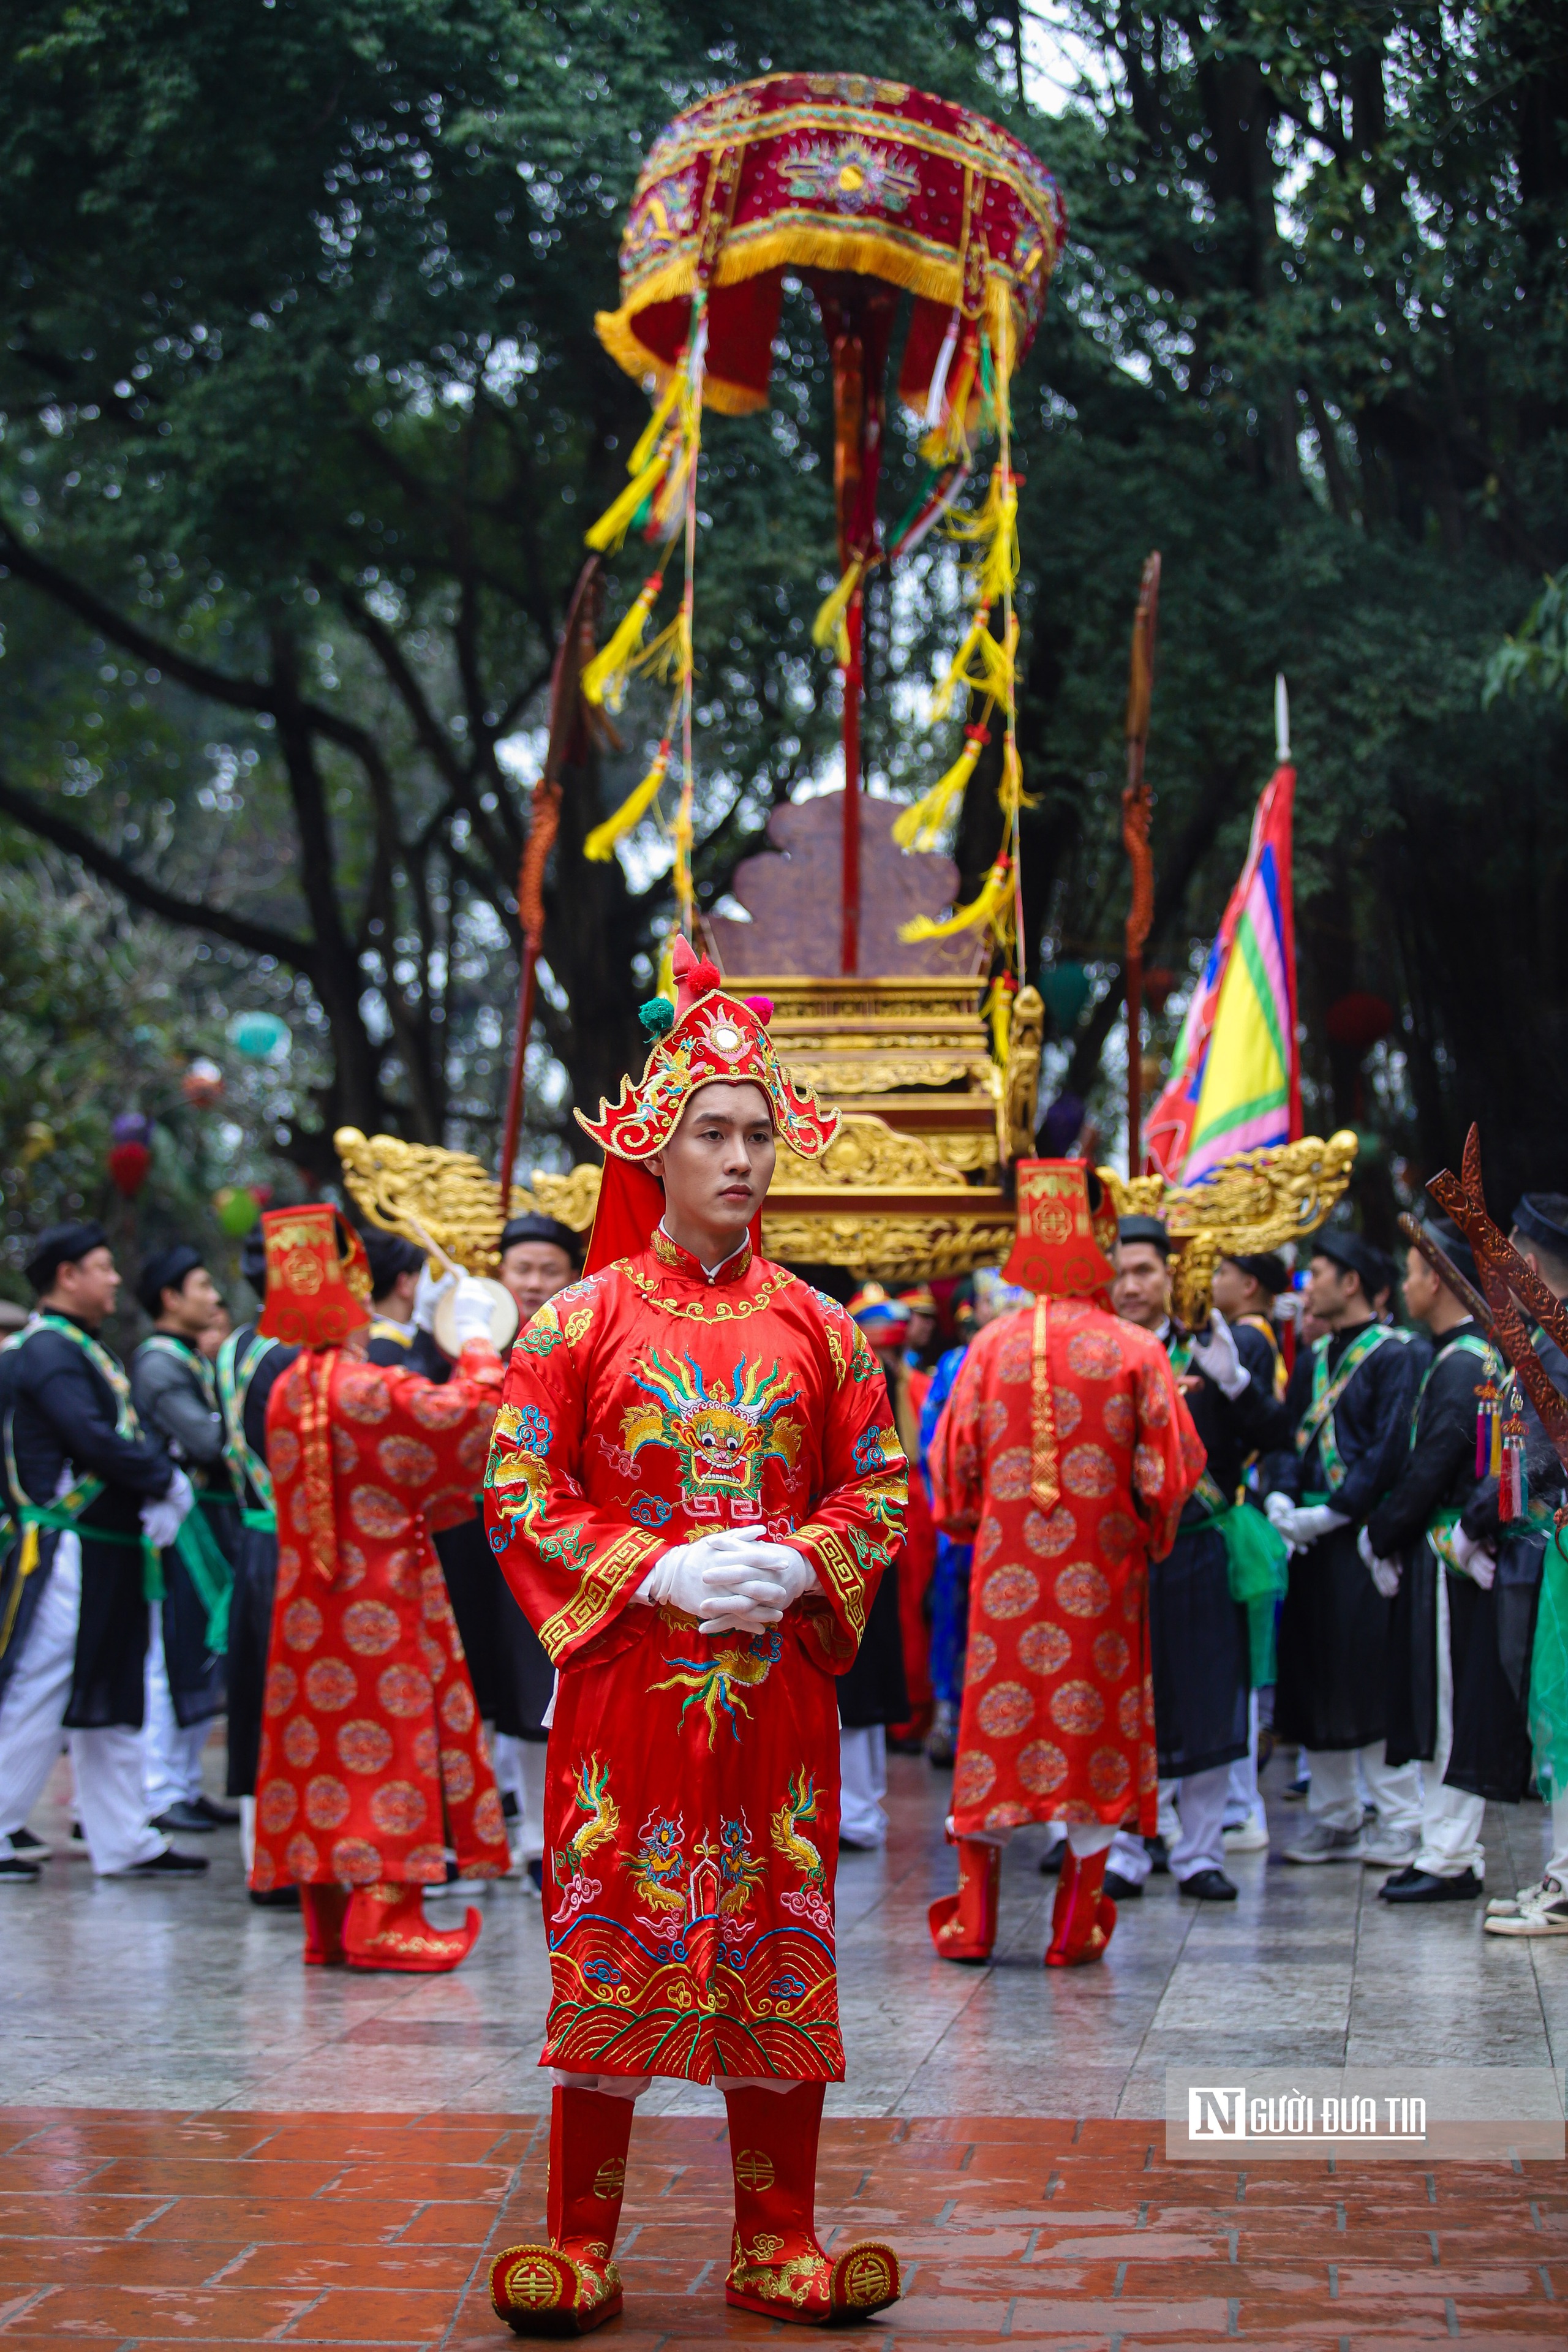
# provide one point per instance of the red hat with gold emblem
(1066, 1231)
(318, 1278)
(709, 1038)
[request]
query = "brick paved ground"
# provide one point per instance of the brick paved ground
(142, 2227)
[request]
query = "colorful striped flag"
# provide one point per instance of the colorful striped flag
(1236, 1078)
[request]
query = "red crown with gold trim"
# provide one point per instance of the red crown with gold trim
(715, 1039)
(1063, 1246)
(318, 1278)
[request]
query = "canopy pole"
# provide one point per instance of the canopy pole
(1136, 809)
(849, 917)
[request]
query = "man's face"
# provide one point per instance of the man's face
(1236, 1294)
(719, 1164)
(88, 1287)
(920, 1330)
(191, 1307)
(1332, 1292)
(1422, 1288)
(1142, 1291)
(533, 1272)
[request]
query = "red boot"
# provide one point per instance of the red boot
(387, 1928)
(776, 2266)
(572, 2284)
(324, 1907)
(1084, 1917)
(963, 1926)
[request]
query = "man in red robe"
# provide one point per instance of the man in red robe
(372, 1758)
(1066, 1453)
(694, 1491)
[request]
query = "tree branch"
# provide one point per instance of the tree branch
(37, 817)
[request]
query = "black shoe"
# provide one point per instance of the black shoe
(1406, 1877)
(509, 1808)
(14, 1872)
(1420, 1886)
(222, 1817)
(1209, 1886)
(183, 1820)
(1051, 1864)
(77, 1837)
(1294, 1791)
(30, 1848)
(1120, 1889)
(535, 1870)
(1158, 1854)
(168, 1865)
(275, 1898)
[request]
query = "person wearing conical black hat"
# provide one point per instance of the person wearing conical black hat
(1346, 1422)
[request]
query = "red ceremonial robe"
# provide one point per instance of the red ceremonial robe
(691, 1803)
(1065, 1451)
(372, 1758)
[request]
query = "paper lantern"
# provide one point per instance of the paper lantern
(128, 1166)
(1066, 988)
(201, 1084)
(237, 1210)
(260, 1036)
(132, 1126)
(38, 1138)
(1359, 1020)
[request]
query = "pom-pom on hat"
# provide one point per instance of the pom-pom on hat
(711, 1039)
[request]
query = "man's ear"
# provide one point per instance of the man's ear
(654, 1163)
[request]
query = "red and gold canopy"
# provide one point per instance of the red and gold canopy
(830, 172)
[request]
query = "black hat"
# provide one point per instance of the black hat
(1452, 1242)
(389, 1256)
(1145, 1229)
(1355, 1254)
(535, 1228)
(253, 1260)
(166, 1271)
(1543, 1217)
(59, 1245)
(1266, 1267)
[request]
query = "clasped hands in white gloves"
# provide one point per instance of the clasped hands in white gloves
(1474, 1559)
(729, 1582)
(1301, 1524)
(1215, 1352)
(162, 1521)
(1385, 1573)
(471, 1309)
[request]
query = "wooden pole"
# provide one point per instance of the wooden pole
(849, 949)
(1136, 806)
(565, 715)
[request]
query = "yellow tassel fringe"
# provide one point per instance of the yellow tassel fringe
(609, 532)
(990, 907)
(604, 679)
(828, 628)
(919, 827)
(994, 672)
(600, 846)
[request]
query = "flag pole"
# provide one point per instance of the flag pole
(1136, 805)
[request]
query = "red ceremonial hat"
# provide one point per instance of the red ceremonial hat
(318, 1278)
(1063, 1244)
(710, 1037)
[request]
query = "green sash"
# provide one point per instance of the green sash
(1549, 1674)
(201, 1555)
(1256, 1561)
(1318, 1420)
(234, 1377)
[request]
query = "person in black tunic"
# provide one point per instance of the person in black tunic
(174, 1389)
(1345, 1422)
(248, 1366)
(84, 1486)
(1516, 1673)
(1408, 1545)
(1199, 1635)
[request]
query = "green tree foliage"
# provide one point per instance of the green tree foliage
(305, 416)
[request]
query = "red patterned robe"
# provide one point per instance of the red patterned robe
(691, 1806)
(1065, 1451)
(372, 1760)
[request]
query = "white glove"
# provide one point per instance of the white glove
(1385, 1573)
(1215, 1352)
(429, 1295)
(1309, 1523)
(773, 1575)
(1278, 1508)
(729, 1583)
(678, 1580)
(162, 1521)
(470, 1312)
(1474, 1559)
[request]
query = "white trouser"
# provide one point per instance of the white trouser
(520, 1767)
(1130, 1857)
(247, 1832)
(1451, 1818)
(107, 1764)
(1084, 1838)
(1242, 1800)
(1200, 1843)
(863, 1776)
(1335, 1799)
(170, 1753)
(1557, 1867)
